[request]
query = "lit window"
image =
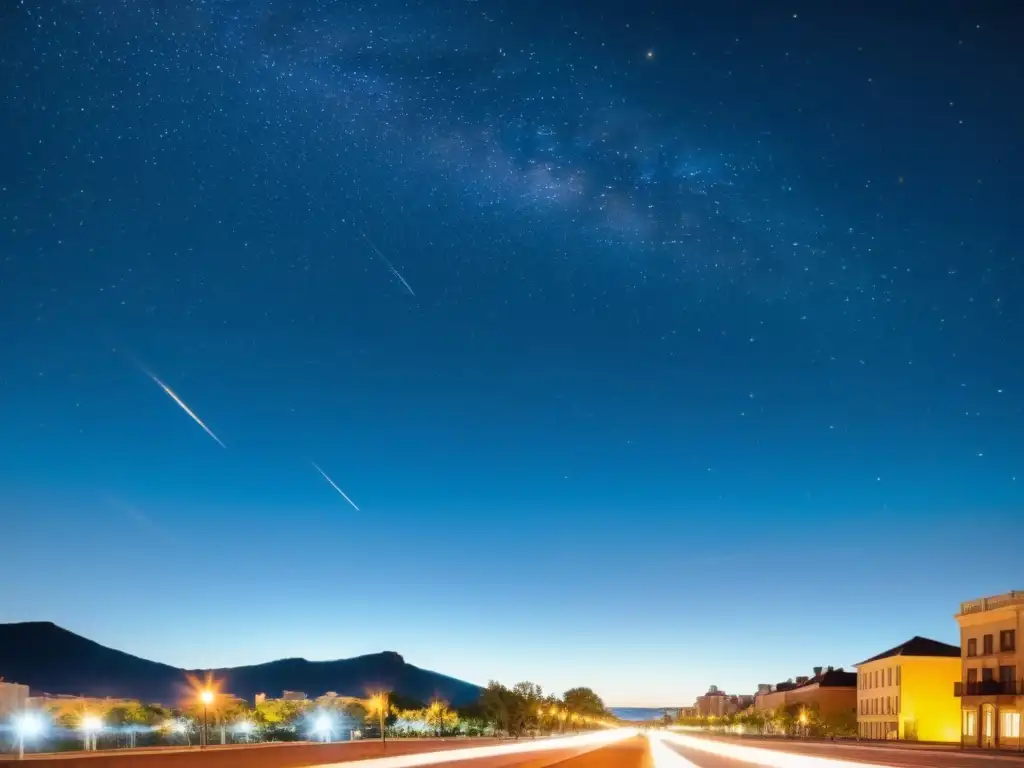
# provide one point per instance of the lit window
(1010, 727)
(970, 722)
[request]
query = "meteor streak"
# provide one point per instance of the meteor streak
(185, 408)
(335, 487)
(388, 262)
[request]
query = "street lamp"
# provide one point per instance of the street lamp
(322, 727)
(29, 725)
(207, 698)
(91, 725)
(379, 703)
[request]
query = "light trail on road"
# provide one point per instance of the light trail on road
(761, 757)
(595, 740)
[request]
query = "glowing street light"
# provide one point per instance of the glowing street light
(91, 725)
(28, 726)
(378, 704)
(207, 698)
(323, 726)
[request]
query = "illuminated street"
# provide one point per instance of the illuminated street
(671, 750)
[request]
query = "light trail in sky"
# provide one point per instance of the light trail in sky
(185, 408)
(335, 487)
(388, 262)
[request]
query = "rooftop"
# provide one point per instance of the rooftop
(1011, 598)
(918, 646)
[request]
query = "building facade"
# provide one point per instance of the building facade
(990, 688)
(13, 698)
(907, 693)
(831, 692)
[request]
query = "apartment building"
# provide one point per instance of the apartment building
(714, 703)
(990, 688)
(906, 692)
(830, 691)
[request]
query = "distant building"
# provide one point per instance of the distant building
(907, 693)
(990, 688)
(715, 703)
(13, 698)
(830, 691)
(293, 696)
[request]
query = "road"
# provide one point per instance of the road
(671, 750)
(622, 748)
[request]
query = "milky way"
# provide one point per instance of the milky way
(543, 133)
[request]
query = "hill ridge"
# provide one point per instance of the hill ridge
(51, 659)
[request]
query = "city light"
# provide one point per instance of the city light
(206, 697)
(245, 726)
(28, 725)
(91, 724)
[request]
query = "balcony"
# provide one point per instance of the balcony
(991, 603)
(989, 688)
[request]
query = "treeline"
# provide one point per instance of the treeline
(524, 709)
(790, 720)
(516, 711)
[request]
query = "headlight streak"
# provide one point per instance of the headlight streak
(754, 755)
(663, 756)
(598, 739)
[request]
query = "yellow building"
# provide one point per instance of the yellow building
(991, 690)
(907, 693)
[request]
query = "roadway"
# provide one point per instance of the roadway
(622, 748)
(672, 750)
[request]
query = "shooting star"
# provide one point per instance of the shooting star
(185, 408)
(388, 262)
(335, 487)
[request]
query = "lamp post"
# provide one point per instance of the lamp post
(91, 725)
(207, 698)
(28, 725)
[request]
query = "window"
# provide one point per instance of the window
(876, 678)
(1007, 674)
(986, 641)
(1010, 727)
(988, 674)
(972, 647)
(897, 705)
(970, 722)
(1007, 640)
(897, 674)
(972, 675)
(890, 676)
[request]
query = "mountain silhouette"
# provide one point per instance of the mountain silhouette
(51, 659)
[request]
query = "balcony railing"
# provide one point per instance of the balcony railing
(991, 603)
(990, 688)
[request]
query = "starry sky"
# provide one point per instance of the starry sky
(653, 344)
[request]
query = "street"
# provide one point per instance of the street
(672, 750)
(618, 748)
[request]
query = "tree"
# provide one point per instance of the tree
(529, 700)
(840, 724)
(280, 712)
(583, 701)
(495, 703)
(438, 716)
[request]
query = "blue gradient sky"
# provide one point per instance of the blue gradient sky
(708, 375)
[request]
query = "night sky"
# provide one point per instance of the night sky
(659, 344)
